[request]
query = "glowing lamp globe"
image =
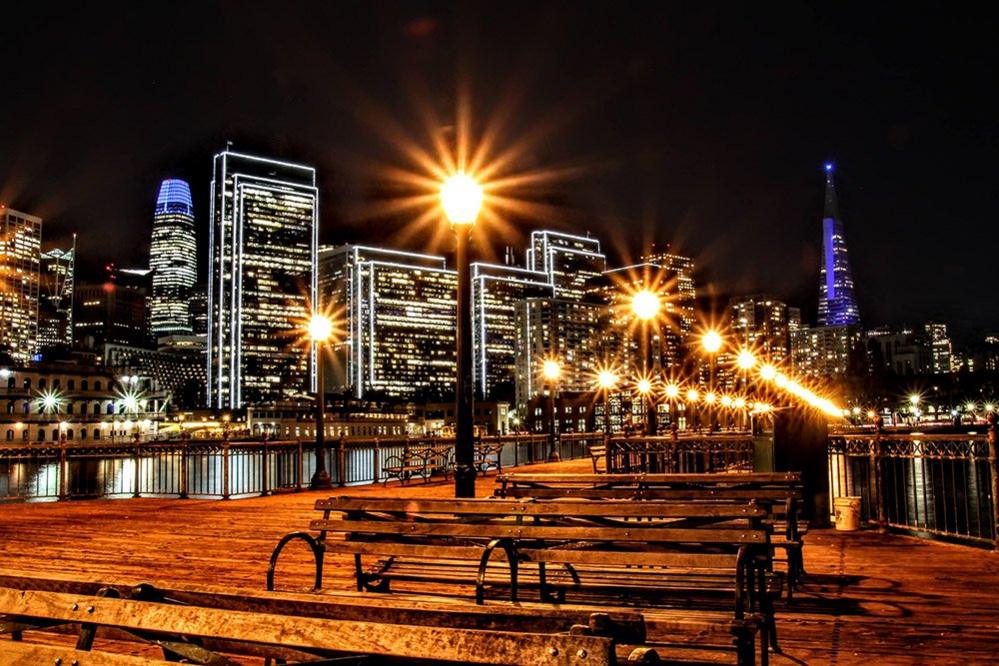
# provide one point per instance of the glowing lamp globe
(551, 370)
(645, 304)
(607, 379)
(710, 398)
(461, 198)
(693, 395)
(913, 400)
(644, 386)
(726, 401)
(711, 341)
(672, 391)
(768, 372)
(739, 403)
(746, 360)
(320, 328)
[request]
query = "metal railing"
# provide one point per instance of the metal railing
(936, 484)
(223, 470)
(682, 453)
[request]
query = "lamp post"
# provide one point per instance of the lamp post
(320, 330)
(461, 199)
(606, 380)
(551, 370)
(711, 342)
(645, 305)
(672, 392)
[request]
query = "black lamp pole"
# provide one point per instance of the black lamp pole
(321, 477)
(464, 445)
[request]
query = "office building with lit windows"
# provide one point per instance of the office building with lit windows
(173, 260)
(837, 301)
(941, 350)
(20, 264)
(496, 292)
(397, 312)
(55, 307)
(762, 324)
(682, 294)
(569, 261)
(263, 243)
(825, 351)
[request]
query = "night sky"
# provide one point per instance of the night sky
(706, 127)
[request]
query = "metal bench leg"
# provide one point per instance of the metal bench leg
(317, 553)
(511, 558)
(88, 631)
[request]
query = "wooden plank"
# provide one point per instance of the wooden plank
(413, 641)
(638, 533)
(649, 494)
(516, 508)
(16, 653)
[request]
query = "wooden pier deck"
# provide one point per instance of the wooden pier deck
(869, 598)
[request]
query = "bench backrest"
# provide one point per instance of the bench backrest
(471, 521)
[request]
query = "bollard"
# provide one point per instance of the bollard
(63, 471)
(263, 469)
(376, 457)
(879, 495)
(137, 462)
(341, 461)
(300, 466)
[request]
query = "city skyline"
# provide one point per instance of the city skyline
(731, 186)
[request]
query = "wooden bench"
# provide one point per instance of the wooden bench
(777, 492)
(598, 456)
(649, 554)
(201, 626)
(488, 455)
(419, 460)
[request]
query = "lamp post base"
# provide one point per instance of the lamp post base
(464, 481)
(321, 480)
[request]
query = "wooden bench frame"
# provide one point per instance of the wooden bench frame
(467, 534)
(422, 460)
(262, 626)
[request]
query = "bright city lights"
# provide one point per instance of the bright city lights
(644, 386)
(726, 401)
(645, 304)
(693, 395)
(739, 403)
(551, 370)
(913, 399)
(768, 372)
(607, 379)
(710, 397)
(711, 341)
(672, 391)
(461, 198)
(50, 401)
(320, 328)
(746, 360)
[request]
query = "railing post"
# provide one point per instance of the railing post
(137, 462)
(994, 468)
(183, 468)
(376, 457)
(341, 461)
(875, 465)
(299, 466)
(225, 470)
(63, 471)
(264, 472)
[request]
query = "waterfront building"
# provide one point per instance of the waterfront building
(177, 369)
(941, 350)
(113, 311)
(20, 264)
(837, 301)
(901, 352)
(296, 419)
(77, 400)
(173, 260)
(263, 242)
(55, 306)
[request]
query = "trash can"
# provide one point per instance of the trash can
(847, 511)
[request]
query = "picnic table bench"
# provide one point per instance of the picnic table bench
(779, 493)
(648, 554)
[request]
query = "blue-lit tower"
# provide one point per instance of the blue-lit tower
(837, 301)
(173, 255)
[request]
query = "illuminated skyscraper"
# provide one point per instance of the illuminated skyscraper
(262, 277)
(173, 259)
(837, 302)
(397, 310)
(763, 324)
(20, 262)
(570, 261)
(55, 307)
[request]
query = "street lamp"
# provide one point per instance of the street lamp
(606, 380)
(711, 341)
(320, 331)
(672, 392)
(461, 200)
(551, 370)
(645, 305)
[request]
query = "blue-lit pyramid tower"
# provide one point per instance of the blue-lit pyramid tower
(837, 301)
